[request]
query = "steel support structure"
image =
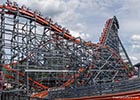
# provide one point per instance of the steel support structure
(29, 42)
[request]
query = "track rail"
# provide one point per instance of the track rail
(7, 67)
(42, 21)
(20, 11)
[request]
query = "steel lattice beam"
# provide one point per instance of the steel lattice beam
(29, 42)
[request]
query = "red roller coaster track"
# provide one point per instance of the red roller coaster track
(105, 54)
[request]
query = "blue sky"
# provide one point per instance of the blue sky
(86, 18)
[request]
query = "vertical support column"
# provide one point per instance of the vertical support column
(138, 66)
(43, 42)
(139, 71)
(24, 53)
(15, 49)
(28, 47)
(15, 52)
(31, 52)
(2, 44)
(45, 37)
(2, 31)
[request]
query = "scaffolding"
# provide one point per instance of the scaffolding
(37, 54)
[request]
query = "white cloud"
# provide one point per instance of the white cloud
(80, 27)
(47, 7)
(77, 34)
(133, 58)
(135, 37)
(135, 46)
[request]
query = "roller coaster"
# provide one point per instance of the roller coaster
(39, 59)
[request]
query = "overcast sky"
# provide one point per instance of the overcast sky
(86, 18)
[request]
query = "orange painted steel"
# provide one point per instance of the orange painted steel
(67, 36)
(39, 95)
(105, 31)
(66, 84)
(7, 67)
(44, 22)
